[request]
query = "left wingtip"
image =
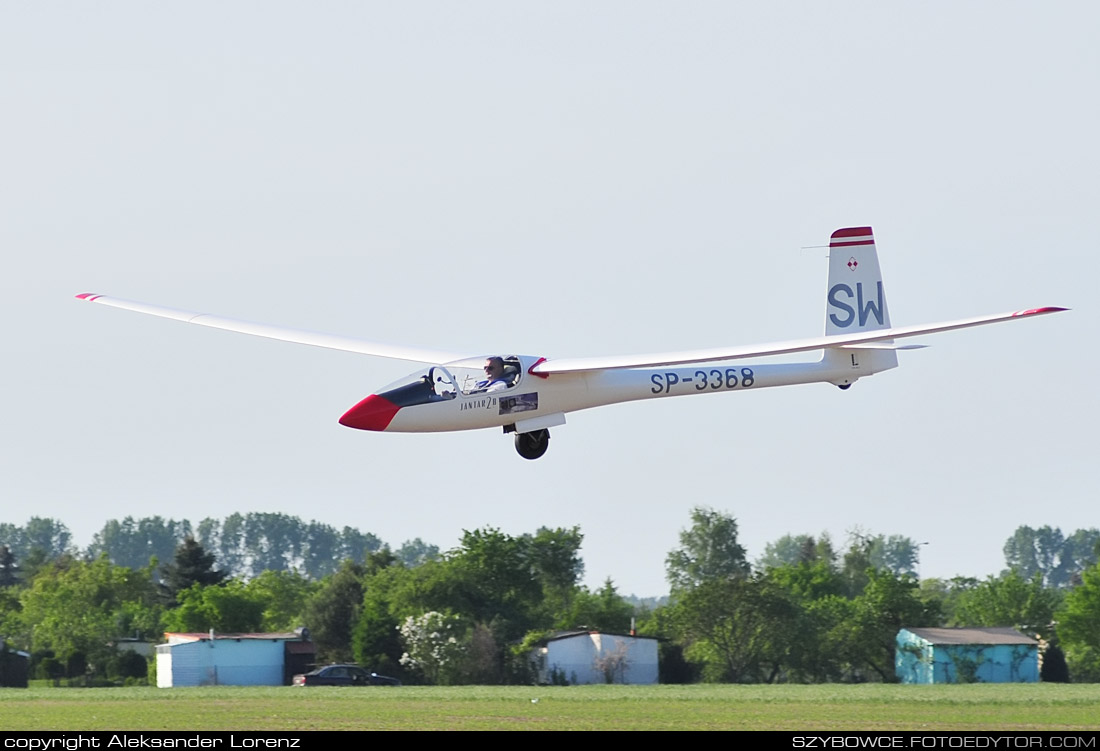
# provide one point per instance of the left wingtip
(87, 296)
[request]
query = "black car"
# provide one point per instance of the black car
(343, 675)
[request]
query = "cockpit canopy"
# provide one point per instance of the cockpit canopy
(442, 382)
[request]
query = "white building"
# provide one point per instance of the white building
(232, 659)
(577, 657)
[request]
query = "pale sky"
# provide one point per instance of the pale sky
(556, 179)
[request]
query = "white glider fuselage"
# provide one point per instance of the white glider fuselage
(545, 400)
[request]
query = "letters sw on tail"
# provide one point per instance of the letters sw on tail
(527, 395)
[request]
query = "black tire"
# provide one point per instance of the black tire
(532, 445)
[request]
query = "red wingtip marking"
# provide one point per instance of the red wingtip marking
(1037, 311)
(373, 413)
(88, 296)
(531, 370)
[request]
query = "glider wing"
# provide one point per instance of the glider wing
(865, 340)
(316, 339)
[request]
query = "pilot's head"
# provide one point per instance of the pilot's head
(494, 367)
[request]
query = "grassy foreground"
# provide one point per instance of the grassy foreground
(699, 707)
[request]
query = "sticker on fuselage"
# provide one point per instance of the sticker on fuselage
(509, 405)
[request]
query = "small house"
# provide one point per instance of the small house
(233, 659)
(576, 657)
(966, 655)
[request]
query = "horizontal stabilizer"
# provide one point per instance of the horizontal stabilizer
(884, 346)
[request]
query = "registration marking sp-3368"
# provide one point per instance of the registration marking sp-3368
(714, 379)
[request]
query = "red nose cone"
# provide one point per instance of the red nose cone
(373, 413)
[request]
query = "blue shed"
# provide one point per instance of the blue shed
(232, 659)
(966, 655)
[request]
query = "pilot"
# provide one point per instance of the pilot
(494, 376)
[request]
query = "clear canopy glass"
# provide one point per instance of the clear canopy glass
(443, 382)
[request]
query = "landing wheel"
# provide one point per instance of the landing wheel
(534, 444)
(844, 386)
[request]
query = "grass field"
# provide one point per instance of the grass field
(698, 707)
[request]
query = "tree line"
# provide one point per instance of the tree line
(806, 611)
(245, 545)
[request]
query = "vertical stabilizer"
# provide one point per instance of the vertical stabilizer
(856, 300)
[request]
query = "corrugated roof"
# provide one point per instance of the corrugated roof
(584, 632)
(998, 635)
(175, 637)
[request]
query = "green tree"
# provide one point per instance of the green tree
(499, 586)
(1046, 551)
(248, 544)
(867, 633)
(1080, 551)
(808, 581)
(11, 618)
(191, 565)
(79, 608)
(489, 579)
(1077, 631)
(554, 560)
(602, 610)
(226, 540)
(946, 594)
(808, 655)
(708, 550)
(897, 553)
(272, 541)
(1080, 614)
(333, 610)
(790, 550)
(132, 542)
(229, 608)
(284, 595)
(1009, 600)
(376, 642)
(738, 627)
(321, 554)
(39, 541)
(9, 569)
(554, 556)
(49, 535)
(415, 552)
(356, 545)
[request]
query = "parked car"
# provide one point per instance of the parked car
(343, 675)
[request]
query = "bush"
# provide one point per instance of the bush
(1054, 668)
(673, 667)
(127, 664)
(1083, 664)
(49, 668)
(76, 665)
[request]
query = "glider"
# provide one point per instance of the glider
(527, 395)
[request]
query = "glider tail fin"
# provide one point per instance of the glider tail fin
(856, 301)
